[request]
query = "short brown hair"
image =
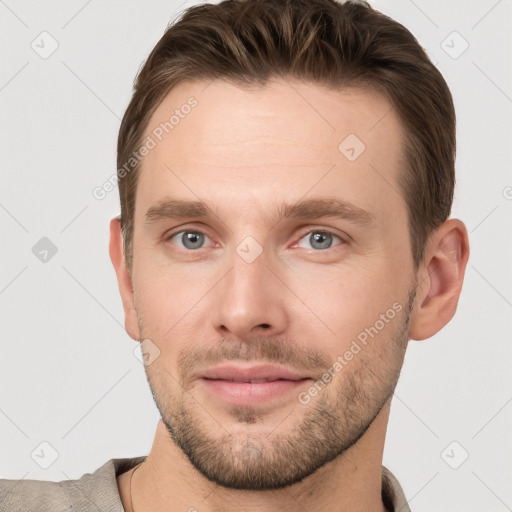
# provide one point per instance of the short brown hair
(321, 41)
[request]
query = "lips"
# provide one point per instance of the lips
(253, 385)
(253, 374)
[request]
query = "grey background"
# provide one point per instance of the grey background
(68, 374)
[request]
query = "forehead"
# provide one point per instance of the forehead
(233, 146)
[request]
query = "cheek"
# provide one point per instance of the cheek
(171, 303)
(175, 300)
(341, 303)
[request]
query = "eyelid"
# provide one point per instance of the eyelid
(343, 237)
(178, 229)
(185, 229)
(320, 229)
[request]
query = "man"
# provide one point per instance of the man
(286, 174)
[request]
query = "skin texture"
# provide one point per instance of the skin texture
(300, 303)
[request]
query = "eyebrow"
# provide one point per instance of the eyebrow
(168, 208)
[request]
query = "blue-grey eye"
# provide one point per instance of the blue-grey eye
(319, 240)
(190, 239)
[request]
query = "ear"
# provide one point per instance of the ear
(124, 280)
(440, 279)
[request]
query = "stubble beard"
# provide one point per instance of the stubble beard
(331, 423)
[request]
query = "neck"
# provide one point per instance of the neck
(352, 481)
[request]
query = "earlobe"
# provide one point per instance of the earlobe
(124, 279)
(441, 278)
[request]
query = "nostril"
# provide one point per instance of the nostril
(266, 326)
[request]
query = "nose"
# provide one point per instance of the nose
(250, 301)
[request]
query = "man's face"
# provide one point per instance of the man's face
(245, 285)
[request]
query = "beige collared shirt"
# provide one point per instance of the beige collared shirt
(98, 491)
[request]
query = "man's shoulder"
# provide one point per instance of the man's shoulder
(92, 491)
(393, 495)
(37, 495)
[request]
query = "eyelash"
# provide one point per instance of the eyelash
(322, 231)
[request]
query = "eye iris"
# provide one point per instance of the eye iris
(323, 239)
(192, 240)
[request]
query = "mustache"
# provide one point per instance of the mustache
(262, 349)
